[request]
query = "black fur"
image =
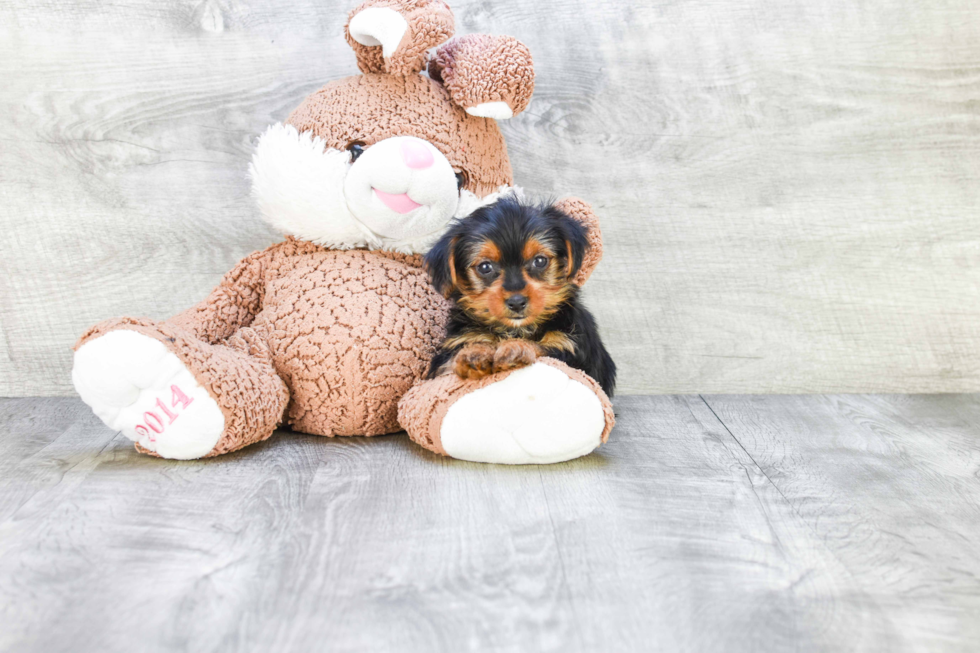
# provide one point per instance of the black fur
(509, 223)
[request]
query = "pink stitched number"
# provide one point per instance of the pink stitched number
(178, 397)
(146, 418)
(166, 411)
(142, 430)
(178, 400)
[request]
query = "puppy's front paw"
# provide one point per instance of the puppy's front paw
(474, 362)
(512, 354)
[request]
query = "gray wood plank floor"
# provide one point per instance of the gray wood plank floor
(837, 523)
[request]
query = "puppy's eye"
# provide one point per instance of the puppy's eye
(461, 180)
(539, 262)
(356, 149)
(485, 268)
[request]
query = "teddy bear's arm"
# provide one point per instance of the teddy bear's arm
(233, 304)
(582, 211)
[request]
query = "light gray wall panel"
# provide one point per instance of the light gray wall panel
(788, 189)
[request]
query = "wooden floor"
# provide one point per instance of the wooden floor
(725, 523)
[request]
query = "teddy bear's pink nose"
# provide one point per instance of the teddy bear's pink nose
(416, 154)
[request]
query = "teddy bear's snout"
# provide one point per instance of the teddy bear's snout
(416, 154)
(401, 186)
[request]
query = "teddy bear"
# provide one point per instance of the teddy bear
(331, 331)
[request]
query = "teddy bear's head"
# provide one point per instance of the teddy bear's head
(387, 158)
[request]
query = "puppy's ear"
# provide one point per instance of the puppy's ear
(581, 212)
(575, 236)
(489, 76)
(440, 263)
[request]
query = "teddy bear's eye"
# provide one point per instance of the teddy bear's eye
(461, 179)
(356, 149)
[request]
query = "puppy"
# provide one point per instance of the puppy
(508, 267)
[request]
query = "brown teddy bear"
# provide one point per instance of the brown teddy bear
(332, 330)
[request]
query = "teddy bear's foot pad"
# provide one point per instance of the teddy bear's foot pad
(537, 415)
(137, 386)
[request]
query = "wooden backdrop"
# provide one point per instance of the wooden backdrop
(789, 188)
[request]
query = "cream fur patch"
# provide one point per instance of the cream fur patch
(495, 110)
(298, 184)
(379, 26)
(537, 415)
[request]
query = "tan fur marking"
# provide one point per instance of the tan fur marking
(557, 341)
(485, 302)
(544, 300)
(470, 338)
(478, 305)
(487, 252)
(533, 247)
(452, 270)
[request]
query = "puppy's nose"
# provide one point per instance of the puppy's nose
(416, 155)
(516, 303)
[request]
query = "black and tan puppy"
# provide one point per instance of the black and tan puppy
(509, 267)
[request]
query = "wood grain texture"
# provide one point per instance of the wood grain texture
(891, 485)
(788, 189)
(809, 523)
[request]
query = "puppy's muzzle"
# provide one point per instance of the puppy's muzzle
(517, 303)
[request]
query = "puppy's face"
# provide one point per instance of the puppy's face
(510, 264)
(515, 283)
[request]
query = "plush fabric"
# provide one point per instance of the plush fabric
(303, 188)
(126, 376)
(242, 380)
(368, 108)
(430, 22)
(478, 69)
(424, 407)
(329, 330)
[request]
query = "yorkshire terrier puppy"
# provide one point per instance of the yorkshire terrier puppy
(508, 268)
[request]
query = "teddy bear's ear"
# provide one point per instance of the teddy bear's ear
(395, 36)
(489, 76)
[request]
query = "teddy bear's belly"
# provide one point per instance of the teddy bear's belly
(350, 332)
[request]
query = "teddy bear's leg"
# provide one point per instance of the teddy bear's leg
(544, 413)
(175, 395)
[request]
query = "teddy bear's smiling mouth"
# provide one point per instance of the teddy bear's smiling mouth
(400, 203)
